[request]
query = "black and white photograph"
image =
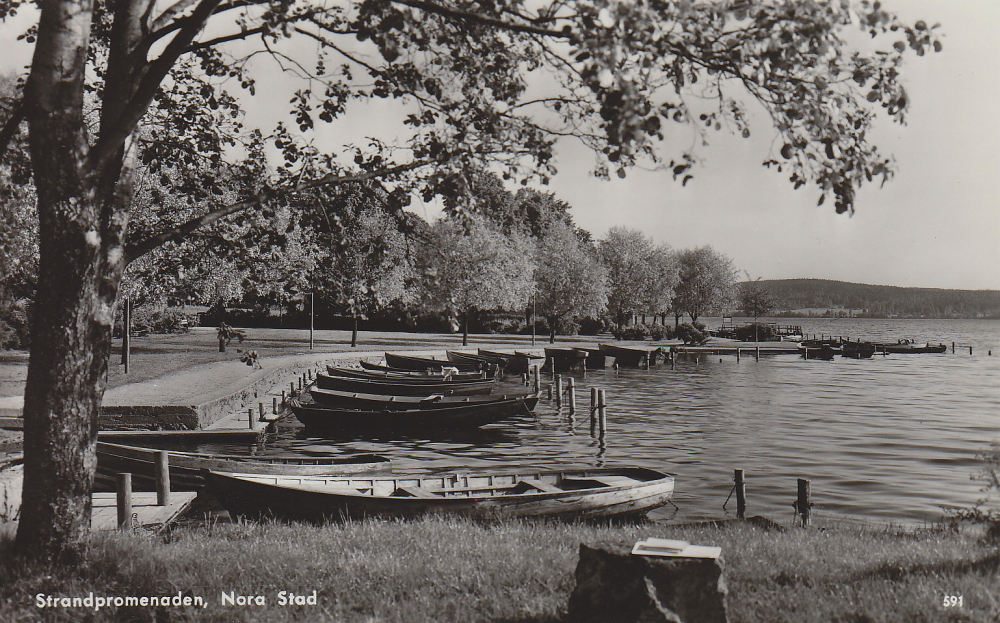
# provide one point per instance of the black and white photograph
(499, 311)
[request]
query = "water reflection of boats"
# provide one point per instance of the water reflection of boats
(481, 437)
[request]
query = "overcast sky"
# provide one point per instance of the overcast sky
(936, 224)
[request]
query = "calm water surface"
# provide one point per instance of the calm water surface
(891, 438)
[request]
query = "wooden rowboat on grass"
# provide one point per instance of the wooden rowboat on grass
(187, 468)
(582, 494)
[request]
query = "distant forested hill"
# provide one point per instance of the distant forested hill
(882, 301)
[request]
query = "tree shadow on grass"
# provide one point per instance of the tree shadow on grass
(987, 565)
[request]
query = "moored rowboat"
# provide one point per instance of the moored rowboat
(406, 376)
(584, 494)
(392, 387)
(358, 400)
(407, 362)
(632, 356)
(186, 468)
(449, 417)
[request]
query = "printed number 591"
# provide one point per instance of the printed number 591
(952, 601)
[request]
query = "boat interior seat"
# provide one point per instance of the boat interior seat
(597, 481)
(540, 485)
(413, 492)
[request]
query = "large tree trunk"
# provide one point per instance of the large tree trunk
(82, 214)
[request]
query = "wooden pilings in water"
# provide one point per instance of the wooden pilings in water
(741, 494)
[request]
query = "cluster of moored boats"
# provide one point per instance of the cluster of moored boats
(406, 394)
(828, 348)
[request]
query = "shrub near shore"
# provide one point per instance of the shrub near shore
(457, 570)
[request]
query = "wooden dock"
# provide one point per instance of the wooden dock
(145, 512)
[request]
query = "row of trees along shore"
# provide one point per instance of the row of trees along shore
(129, 120)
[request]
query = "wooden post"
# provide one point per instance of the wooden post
(283, 399)
(953, 347)
(584, 364)
(124, 498)
(737, 354)
(250, 417)
(162, 478)
(274, 404)
(593, 409)
(300, 384)
(757, 353)
(602, 414)
(802, 503)
(741, 495)
(260, 406)
(537, 380)
(559, 390)
(970, 350)
(571, 394)
(550, 391)
(673, 360)
(291, 392)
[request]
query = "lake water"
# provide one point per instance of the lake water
(892, 438)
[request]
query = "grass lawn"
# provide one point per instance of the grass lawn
(457, 570)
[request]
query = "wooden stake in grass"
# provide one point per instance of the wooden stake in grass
(802, 503)
(124, 499)
(162, 478)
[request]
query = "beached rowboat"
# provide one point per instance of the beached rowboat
(450, 417)
(583, 494)
(186, 468)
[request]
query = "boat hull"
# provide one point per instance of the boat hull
(391, 387)
(187, 468)
(455, 417)
(357, 400)
(909, 349)
(591, 494)
(632, 357)
(406, 362)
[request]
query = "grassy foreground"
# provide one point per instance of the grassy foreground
(456, 570)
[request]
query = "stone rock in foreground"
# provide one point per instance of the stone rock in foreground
(613, 586)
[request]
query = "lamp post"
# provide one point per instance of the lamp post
(532, 317)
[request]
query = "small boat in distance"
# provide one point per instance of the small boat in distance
(407, 376)
(582, 494)
(903, 347)
(186, 468)
(563, 359)
(857, 350)
(632, 356)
